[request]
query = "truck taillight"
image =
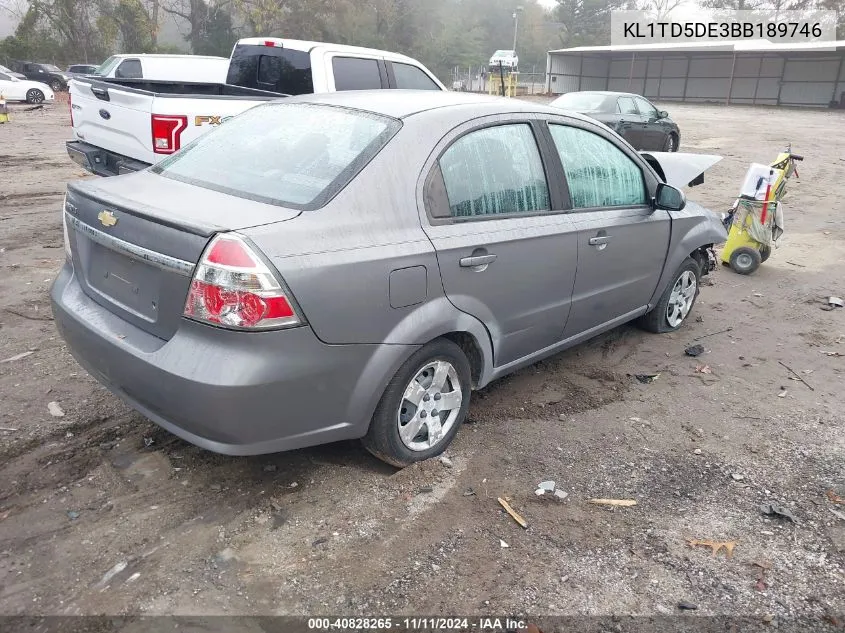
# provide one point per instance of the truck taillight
(167, 132)
(70, 106)
(233, 288)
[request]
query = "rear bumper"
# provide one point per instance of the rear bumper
(236, 393)
(100, 161)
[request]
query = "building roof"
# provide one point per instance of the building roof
(737, 46)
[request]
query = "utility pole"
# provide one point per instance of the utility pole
(516, 13)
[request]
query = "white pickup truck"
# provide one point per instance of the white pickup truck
(124, 125)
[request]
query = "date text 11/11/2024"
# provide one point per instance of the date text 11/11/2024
(432, 624)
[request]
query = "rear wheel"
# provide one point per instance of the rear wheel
(423, 406)
(56, 85)
(745, 260)
(677, 300)
(34, 95)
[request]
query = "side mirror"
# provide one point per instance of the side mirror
(669, 198)
(662, 114)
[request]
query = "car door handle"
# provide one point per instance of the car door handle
(477, 260)
(599, 240)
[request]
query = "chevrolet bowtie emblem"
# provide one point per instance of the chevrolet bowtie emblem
(107, 218)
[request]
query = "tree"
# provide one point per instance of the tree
(587, 22)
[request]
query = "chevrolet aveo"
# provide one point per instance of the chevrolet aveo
(353, 265)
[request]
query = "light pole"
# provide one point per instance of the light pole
(516, 13)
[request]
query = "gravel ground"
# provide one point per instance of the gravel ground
(101, 512)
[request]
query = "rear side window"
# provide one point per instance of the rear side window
(129, 69)
(293, 155)
(355, 73)
(493, 171)
(599, 174)
(412, 78)
(271, 68)
(626, 106)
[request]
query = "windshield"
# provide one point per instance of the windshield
(3, 69)
(583, 102)
(51, 68)
(503, 54)
(293, 155)
(106, 67)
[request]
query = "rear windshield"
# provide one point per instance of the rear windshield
(585, 102)
(271, 68)
(295, 155)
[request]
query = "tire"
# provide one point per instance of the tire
(669, 314)
(745, 260)
(765, 251)
(396, 410)
(34, 95)
(671, 143)
(56, 85)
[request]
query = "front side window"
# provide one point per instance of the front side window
(412, 78)
(495, 170)
(646, 108)
(295, 155)
(599, 174)
(355, 73)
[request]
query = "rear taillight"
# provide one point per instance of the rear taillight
(233, 288)
(167, 132)
(65, 234)
(70, 107)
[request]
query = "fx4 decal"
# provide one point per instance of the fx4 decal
(211, 120)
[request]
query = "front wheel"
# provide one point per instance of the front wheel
(676, 302)
(34, 95)
(423, 406)
(671, 143)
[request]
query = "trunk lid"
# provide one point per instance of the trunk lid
(135, 240)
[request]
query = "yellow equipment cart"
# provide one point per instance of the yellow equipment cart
(755, 222)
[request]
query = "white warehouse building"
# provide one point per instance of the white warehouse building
(741, 72)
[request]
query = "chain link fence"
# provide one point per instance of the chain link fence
(477, 79)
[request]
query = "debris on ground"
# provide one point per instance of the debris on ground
(797, 375)
(776, 510)
(55, 410)
(446, 461)
(622, 503)
(737, 476)
(836, 302)
(561, 494)
(716, 546)
(114, 571)
(694, 350)
(514, 515)
(148, 441)
(837, 513)
(72, 515)
(544, 486)
(8, 429)
(835, 498)
(647, 378)
(683, 605)
(832, 353)
(469, 492)
(698, 338)
(12, 359)
(782, 393)
(703, 369)
(502, 544)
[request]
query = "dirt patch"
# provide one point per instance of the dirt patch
(103, 512)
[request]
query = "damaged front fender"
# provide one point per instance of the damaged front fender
(694, 232)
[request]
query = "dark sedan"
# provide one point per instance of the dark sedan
(631, 116)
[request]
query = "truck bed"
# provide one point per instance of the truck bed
(161, 88)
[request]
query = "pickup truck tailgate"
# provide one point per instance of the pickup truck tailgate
(112, 118)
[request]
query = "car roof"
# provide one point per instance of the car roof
(401, 104)
(307, 46)
(608, 93)
(165, 56)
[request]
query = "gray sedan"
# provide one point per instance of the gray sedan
(353, 265)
